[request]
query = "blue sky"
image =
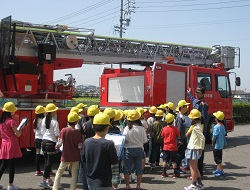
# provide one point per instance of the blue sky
(193, 22)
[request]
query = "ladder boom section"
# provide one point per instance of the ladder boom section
(82, 43)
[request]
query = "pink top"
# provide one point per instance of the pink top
(10, 147)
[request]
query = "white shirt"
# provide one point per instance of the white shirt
(38, 132)
(135, 137)
(52, 133)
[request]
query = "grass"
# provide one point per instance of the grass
(86, 100)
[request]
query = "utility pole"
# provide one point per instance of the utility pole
(121, 19)
(125, 16)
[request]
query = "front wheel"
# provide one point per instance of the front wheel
(210, 128)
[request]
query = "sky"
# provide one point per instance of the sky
(192, 22)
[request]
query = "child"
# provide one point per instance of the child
(10, 149)
(194, 149)
(218, 142)
(98, 160)
(170, 150)
(40, 114)
(135, 138)
(50, 131)
(72, 143)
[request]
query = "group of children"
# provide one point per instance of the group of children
(164, 130)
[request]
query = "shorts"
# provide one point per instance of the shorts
(49, 147)
(192, 154)
(170, 155)
(38, 143)
(217, 156)
(133, 156)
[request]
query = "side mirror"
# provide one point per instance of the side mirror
(237, 81)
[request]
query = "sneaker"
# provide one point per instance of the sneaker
(176, 176)
(216, 171)
(220, 173)
(152, 166)
(135, 180)
(200, 186)
(52, 173)
(13, 187)
(127, 187)
(50, 182)
(191, 187)
(44, 184)
(1, 186)
(164, 174)
(38, 173)
(181, 171)
(189, 178)
(131, 179)
(184, 168)
(138, 188)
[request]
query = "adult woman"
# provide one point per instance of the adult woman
(39, 111)
(135, 138)
(50, 131)
(10, 149)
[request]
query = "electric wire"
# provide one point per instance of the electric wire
(195, 9)
(192, 24)
(81, 11)
(199, 4)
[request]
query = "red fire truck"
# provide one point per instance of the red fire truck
(148, 73)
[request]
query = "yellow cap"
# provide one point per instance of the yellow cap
(153, 110)
(182, 103)
(39, 109)
(170, 105)
(51, 107)
(162, 107)
(73, 117)
(219, 115)
(80, 106)
(133, 115)
(93, 110)
(159, 113)
(169, 118)
(74, 109)
(118, 115)
(194, 114)
(126, 112)
(101, 119)
(110, 112)
(141, 110)
(9, 107)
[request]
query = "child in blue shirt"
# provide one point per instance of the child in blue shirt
(218, 142)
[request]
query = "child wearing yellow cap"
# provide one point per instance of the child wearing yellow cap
(99, 154)
(71, 139)
(170, 150)
(40, 114)
(218, 142)
(194, 149)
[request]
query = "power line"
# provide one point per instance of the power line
(85, 22)
(93, 16)
(166, 1)
(101, 21)
(198, 4)
(196, 9)
(81, 11)
(192, 24)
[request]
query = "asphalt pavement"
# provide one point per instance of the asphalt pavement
(235, 162)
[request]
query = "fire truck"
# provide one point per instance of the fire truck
(142, 73)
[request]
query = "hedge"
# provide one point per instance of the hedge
(241, 112)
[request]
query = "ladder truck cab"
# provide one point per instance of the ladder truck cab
(157, 83)
(30, 53)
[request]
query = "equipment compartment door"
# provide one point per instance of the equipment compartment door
(126, 89)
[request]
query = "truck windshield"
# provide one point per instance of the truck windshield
(223, 86)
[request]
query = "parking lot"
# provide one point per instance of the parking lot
(235, 159)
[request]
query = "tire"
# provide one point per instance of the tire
(210, 128)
